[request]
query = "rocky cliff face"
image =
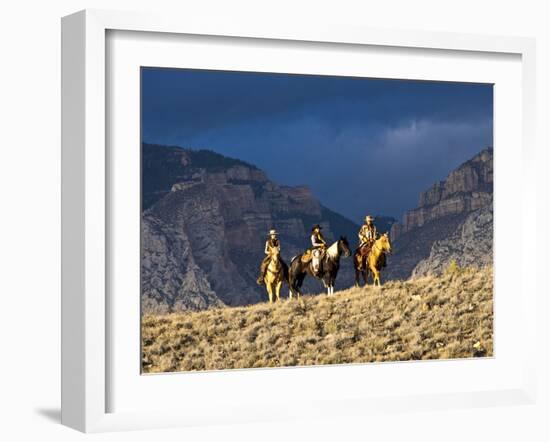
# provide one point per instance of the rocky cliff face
(171, 278)
(443, 215)
(467, 188)
(204, 226)
(471, 244)
(205, 219)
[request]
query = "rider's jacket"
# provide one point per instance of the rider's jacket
(317, 240)
(367, 233)
(271, 243)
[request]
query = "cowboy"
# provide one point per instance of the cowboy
(367, 236)
(367, 232)
(319, 245)
(272, 242)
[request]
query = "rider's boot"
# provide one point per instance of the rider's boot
(263, 271)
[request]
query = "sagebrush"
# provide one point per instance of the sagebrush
(435, 317)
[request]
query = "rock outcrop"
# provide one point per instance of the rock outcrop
(171, 279)
(467, 188)
(470, 245)
(443, 215)
(412, 247)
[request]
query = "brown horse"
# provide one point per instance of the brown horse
(371, 261)
(275, 275)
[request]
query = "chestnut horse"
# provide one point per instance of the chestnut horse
(373, 261)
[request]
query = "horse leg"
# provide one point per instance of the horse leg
(356, 276)
(326, 283)
(330, 284)
(365, 271)
(269, 292)
(298, 284)
(376, 277)
(295, 280)
(293, 289)
(357, 268)
(278, 289)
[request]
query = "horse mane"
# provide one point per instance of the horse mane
(333, 249)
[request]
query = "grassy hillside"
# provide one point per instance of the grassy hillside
(450, 316)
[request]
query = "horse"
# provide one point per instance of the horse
(373, 261)
(277, 272)
(330, 264)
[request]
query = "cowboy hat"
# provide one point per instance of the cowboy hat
(273, 232)
(316, 226)
(369, 218)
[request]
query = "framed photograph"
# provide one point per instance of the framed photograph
(251, 212)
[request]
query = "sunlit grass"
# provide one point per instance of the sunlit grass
(444, 317)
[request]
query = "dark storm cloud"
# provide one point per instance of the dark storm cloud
(362, 145)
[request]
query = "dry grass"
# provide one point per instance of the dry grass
(444, 317)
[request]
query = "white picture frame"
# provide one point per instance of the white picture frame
(86, 207)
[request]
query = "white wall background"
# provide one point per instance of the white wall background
(30, 214)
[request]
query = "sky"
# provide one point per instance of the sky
(363, 145)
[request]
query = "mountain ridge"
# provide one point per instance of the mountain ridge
(466, 188)
(205, 219)
(225, 208)
(443, 212)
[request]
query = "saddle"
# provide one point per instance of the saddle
(365, 248)
(308, 255)
(361, 252)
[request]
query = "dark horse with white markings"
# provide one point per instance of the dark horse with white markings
(330, 264)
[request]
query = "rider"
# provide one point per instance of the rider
(319, 245)
(367, 235)
(271, 242)
(367, 232)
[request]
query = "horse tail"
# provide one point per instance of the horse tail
(286, 273)
(294, 271)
